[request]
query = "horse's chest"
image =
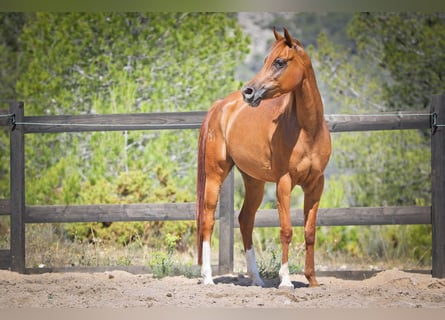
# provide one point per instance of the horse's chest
(303, 162)
(301, 166)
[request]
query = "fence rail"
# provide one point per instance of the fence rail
(186, 211)
(22, 214)
(112, 122)
(193, 120)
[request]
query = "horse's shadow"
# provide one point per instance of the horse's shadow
(246, 282)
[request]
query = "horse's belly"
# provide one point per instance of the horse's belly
(255, 166)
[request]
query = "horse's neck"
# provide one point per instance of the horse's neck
(308, 104)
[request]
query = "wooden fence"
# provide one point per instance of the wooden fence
(22, 214)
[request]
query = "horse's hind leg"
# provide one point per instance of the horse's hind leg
(212, 189)
(211, 194)
(252, 200)
(311, 202)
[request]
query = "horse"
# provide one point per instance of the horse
(272, 130)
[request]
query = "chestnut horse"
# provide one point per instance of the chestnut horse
(272, 130)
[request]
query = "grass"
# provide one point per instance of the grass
(345, 248)
(48, 246)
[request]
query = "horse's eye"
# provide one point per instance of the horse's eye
(279, 63)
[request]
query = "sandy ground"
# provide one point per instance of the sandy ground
(118, 289)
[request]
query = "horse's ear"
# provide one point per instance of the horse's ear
(288, 38)
(277, 35)
(298, 43)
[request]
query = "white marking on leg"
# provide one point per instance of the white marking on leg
(284, 276)
(206, 269)
(252, 269)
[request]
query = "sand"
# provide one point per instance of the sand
(119, 289)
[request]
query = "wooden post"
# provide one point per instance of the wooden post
(17, 197)
(226, 225)
(438, 185)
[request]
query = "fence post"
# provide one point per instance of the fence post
(226, 225)
(17, 189)
(438, 185)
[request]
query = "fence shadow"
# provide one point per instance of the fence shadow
(243, 281)
(354, 275)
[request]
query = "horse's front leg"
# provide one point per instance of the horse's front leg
(252, 200)
(284, 188)
(311, 202)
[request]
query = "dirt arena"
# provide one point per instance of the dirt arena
(118, 289)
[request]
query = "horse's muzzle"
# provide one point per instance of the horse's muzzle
(252, 96)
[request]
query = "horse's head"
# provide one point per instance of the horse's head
(283, 70)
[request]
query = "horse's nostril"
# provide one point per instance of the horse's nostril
(248, 92)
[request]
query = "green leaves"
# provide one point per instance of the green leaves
(77, 63)
(410, 46)
(383, 168)
(81, 63)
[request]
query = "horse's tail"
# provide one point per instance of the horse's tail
(200, 185)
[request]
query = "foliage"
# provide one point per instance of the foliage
(409, 46)
(383, 168)
(387, 168)
(390, 168)
(340, 240)
(10, 29)
(122, 63)
(308, 25)
(10, 26)
(133, 53)
(269, 264)
(393, 243)
(162, 262)
(87, 63)
(132, 187)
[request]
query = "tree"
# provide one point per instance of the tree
(10, 28)
(395, 67)
(77, 63)
(11, 25)
(386, 168)
(85, 63)
(409, 46)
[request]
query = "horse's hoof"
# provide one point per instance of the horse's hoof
(313, 284)
(286, 285)
(208, 281)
